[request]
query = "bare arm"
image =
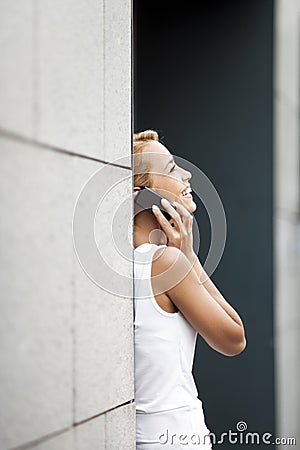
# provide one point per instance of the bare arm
(187, 285)
(212, 289)
(214, 319)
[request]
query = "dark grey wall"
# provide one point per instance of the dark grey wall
(203, 79)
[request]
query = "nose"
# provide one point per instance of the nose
(186, 175)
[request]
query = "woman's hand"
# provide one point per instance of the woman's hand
(181, 234)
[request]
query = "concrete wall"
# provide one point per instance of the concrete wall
(287, 217)
(66, 376)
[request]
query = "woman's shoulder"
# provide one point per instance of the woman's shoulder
(171, 263)
(166, 255)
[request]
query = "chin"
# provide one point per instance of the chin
(189, 203)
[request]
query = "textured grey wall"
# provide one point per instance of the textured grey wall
(67, 374)
(287, 217)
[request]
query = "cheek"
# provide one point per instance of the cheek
(169, 184)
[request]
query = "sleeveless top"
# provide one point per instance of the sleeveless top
(164, 346)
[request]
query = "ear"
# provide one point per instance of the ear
(136, 189)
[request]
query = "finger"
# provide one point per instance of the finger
(173, 213)
(187, 216)
(182, 209)
(165, 224)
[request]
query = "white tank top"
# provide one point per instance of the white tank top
(164, 346)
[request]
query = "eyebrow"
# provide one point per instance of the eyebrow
(171, 160)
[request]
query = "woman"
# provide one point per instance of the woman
(174, 300)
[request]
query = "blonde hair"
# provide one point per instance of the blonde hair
(141, 167)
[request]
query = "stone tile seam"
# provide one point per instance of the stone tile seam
(31, 444)
(35, 143)
(103, 413)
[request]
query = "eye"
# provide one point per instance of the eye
(172, 168)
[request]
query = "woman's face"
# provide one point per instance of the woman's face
(168, 179)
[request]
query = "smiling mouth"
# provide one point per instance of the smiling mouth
(187, 192)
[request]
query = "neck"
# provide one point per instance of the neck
(146, 229)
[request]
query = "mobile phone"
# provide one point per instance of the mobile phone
(145, 198)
